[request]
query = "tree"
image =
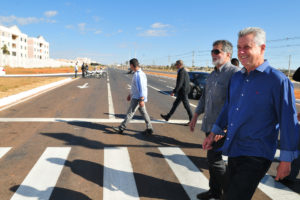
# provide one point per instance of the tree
(5, 50)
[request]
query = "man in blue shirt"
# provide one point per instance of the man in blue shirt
(260, 102)
(137, 97)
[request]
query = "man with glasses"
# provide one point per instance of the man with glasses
(259, 104)
(211, 103)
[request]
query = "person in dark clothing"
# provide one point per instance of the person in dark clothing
(235, 62)
(295, 166)
(182, 89)
(296, 76)
(83, 70)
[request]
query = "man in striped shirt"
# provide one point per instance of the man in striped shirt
(137, 98)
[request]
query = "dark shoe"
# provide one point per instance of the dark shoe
(118, 130)
(208, 195)
(148, 131)
(165, 117)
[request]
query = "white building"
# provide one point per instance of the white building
(16, 43)
(28, 52)
(38, 48)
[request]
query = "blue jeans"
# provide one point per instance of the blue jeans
(245, 173)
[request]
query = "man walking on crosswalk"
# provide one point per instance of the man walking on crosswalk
(137, 98)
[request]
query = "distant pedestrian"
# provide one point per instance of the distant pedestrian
(235, 62)
(76, 69)
(138, 97)
(83, 70)
(211, 103)
(260, 103)
(182, 90)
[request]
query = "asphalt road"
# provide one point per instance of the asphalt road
(60, 145)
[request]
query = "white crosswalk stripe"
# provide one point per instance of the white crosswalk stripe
(118, 180)
(42, 178)
(118, 176)
(4, 150)
(192, 180)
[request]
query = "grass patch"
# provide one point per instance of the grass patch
(13, 85)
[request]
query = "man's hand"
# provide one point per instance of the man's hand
(172, 94)
(283, 170)
(207, 143)
(142, 103)
(218, 137)
(298, 116)
(128, 97)
(193, 122)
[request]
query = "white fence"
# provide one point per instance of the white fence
(31, 62)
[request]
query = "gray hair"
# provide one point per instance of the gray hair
(259, 34)
(226, 46)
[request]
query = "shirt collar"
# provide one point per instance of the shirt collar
(260, 68)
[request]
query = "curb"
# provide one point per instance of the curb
(16, 98)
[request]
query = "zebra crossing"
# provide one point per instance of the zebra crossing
(118, 175)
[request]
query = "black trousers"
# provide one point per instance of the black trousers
(218, 180)
(245, 173)
(181, 97)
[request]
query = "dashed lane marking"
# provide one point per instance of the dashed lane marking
(111, 110)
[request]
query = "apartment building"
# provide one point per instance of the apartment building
(16, 43)
(24, 51)
(38, 48)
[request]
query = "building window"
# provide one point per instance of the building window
(14, 53)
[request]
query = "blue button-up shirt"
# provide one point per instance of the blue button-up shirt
(258, 105)
(139, 85)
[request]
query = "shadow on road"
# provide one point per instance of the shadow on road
(148, 186)
(200, 162)
(58, 193)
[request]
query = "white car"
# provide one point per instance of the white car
(2, 71)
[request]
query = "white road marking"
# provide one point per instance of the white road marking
(92, 120)
(4, 150)
(192, 180)
(276, 190)
(118, 179)
(83, 86)
(42, 178)
(168, 94)
(169, 87)
(111, 110)
(129, 87)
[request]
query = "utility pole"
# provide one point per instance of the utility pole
(289, 66)
(169, 59)
(193, 61)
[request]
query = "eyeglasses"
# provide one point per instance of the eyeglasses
(216, 51)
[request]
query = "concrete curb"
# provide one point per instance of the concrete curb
(23, 95)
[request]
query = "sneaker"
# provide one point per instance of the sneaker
(165, 117)
(118, 130)
(208, 195)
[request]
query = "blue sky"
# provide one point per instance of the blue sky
(155, 31)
